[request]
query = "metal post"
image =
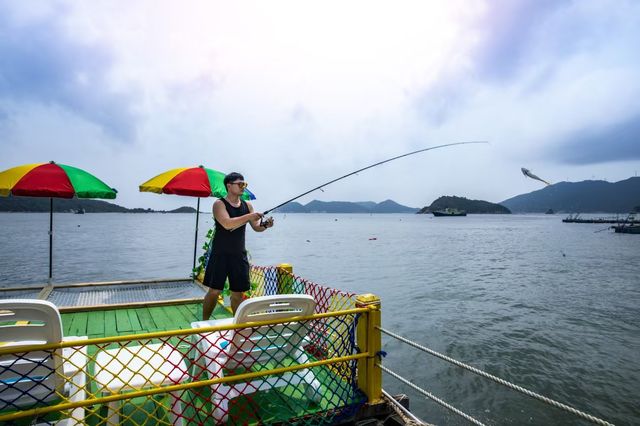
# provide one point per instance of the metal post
(50, 239)
(195, 243)
(284, 278)
(370, 340)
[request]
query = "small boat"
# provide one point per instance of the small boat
(79, 211)
(627, 229)
(449, 212)
(550, 211)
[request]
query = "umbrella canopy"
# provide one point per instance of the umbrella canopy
(193, 182)
(53, 181)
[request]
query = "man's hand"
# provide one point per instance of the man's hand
(268, 222)
(255, 216)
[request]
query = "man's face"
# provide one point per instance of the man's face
(237, 187)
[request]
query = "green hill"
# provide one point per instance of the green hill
(461, 203)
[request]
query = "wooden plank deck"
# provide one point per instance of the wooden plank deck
(148, 319)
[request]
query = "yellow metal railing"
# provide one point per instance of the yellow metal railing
(369, 340)
(334, 356)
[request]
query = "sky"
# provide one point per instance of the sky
(296, 93)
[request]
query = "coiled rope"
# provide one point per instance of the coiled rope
(503, 382)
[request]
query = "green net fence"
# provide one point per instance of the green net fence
(294, 363)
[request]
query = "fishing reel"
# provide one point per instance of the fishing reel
(266, 222)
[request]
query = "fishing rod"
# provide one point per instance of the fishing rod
(368, 167)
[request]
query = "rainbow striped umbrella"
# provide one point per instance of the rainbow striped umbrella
(54, 181)
(193, 182)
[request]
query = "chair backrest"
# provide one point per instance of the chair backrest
(269, 342)
(31, 377)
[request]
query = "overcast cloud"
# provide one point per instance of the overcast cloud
(296, 93)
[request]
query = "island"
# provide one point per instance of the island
(464, 204)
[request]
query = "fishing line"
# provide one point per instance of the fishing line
(603, 229)
(368, 167)
(319, 187)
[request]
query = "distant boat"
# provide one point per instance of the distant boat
(627, 229)
(449, 212)
(550, 211)
(629, 220)
(79, 211)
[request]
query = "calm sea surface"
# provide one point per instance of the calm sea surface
(553, 307)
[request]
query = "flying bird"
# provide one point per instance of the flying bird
(528, 173)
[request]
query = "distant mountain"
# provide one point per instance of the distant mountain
(390, 206)
(60, 205)
(63, 205)
(335, 207)
(316, 206)
(461, 203)
(292, 207)
(367, 204)
(590, 196)
(183, 209)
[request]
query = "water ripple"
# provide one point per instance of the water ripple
(550, 306)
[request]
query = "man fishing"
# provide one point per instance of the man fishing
(231, 214)
(228, 255)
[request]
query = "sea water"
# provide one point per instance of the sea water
(549, 306)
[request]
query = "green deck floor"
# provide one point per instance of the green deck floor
(120, 322)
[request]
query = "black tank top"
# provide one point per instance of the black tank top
(230, 242)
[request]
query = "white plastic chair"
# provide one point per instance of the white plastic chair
(141, 367)
(36, 377)
(233, 348)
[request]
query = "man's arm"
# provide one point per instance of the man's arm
(222, 216)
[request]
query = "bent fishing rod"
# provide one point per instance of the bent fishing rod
(369, 167)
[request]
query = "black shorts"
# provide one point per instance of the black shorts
(223, 266)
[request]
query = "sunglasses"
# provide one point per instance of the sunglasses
(242, 185)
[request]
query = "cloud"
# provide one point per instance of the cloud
(617, 142)
(272, 94)
(43, 65)
(540, 71)
(512, 31)
(507, 33)
(524, 43)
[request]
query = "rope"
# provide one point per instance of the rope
(431, 396)
(503, 382)
(407, 416)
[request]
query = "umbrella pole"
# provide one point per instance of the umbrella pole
(50, 239)
(195, 243)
